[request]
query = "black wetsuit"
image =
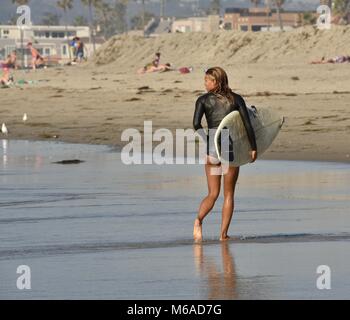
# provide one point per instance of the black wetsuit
(216, 109)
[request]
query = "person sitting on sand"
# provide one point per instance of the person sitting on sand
(5, 70)
(10, 62)
(13, 58)
(152, 66)
(37, 59)
(336, 59)
(6, 65)
(156, 61)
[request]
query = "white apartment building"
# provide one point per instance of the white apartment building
(51, 41)
(210, 23)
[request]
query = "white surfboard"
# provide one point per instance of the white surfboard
(266, 124)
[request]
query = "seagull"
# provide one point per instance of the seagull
(4, 129)
(25, 117)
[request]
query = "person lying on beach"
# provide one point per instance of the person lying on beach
(164, 67)
(160, 68)
(37, 59)
(182, 70)
(13, 58)
(336, 59)
(152, 66)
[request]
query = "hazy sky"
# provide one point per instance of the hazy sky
(173, 7)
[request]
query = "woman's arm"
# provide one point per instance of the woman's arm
(242, 108)
(198, 114)
(197, 118)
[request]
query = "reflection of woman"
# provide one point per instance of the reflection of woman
(216, 104)
(221, 285)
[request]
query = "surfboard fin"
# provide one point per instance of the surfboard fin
(282, 122)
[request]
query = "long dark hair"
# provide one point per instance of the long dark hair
(222, 88)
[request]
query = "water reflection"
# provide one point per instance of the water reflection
(4, 152)
(102, 213)
(221, 283)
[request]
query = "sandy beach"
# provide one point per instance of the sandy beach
(94, 102)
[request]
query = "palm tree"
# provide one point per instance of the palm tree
(80, 21)
(279, 4)
(121, 8)
(91, 4)
(342, 9)
(162, 8)
(267, 3)
(66, 5)
(327, 2)
(50, 19)
(108, 20)
(255, 3)
(215, 7)
(143, 13)
(21, 3)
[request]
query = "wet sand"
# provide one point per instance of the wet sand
(94, 104)
(99, 230)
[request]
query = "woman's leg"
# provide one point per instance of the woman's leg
(214, 181)
(230, 180)
(152, 69)
(5, 75)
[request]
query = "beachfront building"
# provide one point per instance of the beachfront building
(51, 41)
(326, 2)
(210, 23)
(337, 17)
(259, 19)
(158, 26)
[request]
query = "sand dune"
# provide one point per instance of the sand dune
(226, 47)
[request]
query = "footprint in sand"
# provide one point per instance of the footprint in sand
(132, 99)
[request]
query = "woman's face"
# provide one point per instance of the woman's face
(209, 83)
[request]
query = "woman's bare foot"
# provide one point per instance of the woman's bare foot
(225, 238)
(197, 230)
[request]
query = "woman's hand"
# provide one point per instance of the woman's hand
(254, 155)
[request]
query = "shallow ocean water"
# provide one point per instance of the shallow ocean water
(105, 230)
